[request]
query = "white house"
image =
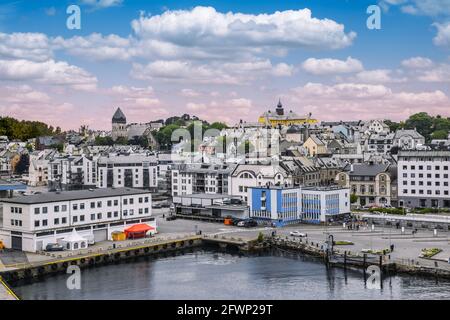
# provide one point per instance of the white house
(32, 222)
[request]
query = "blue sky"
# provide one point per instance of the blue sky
(222, 60)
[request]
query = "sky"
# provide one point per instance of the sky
(222, 60)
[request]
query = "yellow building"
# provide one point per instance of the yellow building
(278, 117)
(315, 146)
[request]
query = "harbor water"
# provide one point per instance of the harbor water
(211, 275)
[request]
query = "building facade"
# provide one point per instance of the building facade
(282, 206)
(373, 184)
(32, 222)
(131, 171)
(200, 178)
(423, 179)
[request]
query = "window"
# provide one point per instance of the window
(44, 209)
(56, 208)
(109, 203)
(92, 205)
(99, 204)
(75, 206)
(125, 201)
(75, 219)
(99, 216)
(140, 199)
(146, 199)
(37, 210)
(81, 218)
(64, 208)
(109, 215)
(92, 216)
(36, 223)
(81, 206)
(125, 212)
(131, 200)
(44, 223)
(116, 214)
(64, 220)
(56, 221)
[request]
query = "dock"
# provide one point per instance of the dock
(6, 293)
(58, 264)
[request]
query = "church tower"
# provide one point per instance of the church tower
(119, 125)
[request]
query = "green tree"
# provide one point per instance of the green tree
(440, 134)
(421, 121)
(353, 198)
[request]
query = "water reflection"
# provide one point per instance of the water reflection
(212, 275)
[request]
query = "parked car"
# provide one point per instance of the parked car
(241, 223)
(298, 234)
(165, 204)
(54, 247)
(247, 223)
(156, 206)
(171, 218)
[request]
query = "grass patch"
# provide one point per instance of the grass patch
(379, 252)
(343, 243)
(428, 253)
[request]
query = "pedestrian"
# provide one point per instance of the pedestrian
(392, 248)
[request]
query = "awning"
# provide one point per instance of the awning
(139, 228)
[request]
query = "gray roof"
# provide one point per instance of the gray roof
(73, 195)
(420, 153)
(119, 117)
(365, 169)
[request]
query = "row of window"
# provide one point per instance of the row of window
(429, 175)
(428, 192)
(81, 206)
(428, 167)
(429, 183)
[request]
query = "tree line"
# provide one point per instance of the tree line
(24, 130)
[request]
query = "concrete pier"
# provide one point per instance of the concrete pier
(97, 258)
(5, 292)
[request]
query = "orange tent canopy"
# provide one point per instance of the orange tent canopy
(139, 228)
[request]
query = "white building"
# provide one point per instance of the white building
(72, 173)
(38, 169)
(132, 171)
(200, 178)
(408, 139)
(32, 222)
(423, 179)
(245, 176)
(287, 205)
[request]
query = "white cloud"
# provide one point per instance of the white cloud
(24, 102)
(96, 46)
(48, 72)
(332, 66)
(195, 107)
(440, 73)
(443, 35)
(190, 93)
(236, 73)
(376, 76)
(417, 63)
(365, 101)
(30, 46)
(205, 27)
(421, 7)
(102, 3)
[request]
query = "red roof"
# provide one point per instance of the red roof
(139, 228)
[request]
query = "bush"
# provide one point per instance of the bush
(397, 211)
(260, 237)
(428, 253)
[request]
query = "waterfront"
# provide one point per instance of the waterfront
(212, 275)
